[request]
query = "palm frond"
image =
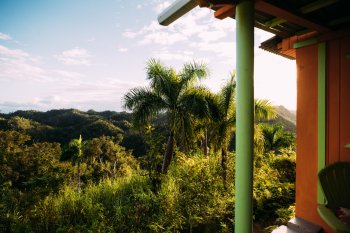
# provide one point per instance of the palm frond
(264, 110)
(158, 75)
(259, 139)
(192, 72)
(227, 96)
(164, 81)
(195, 101)
(145, 104)
(135, 96)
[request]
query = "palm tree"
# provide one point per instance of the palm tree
(178, 95)
(75, 147)
(223, 127)
(276, 137)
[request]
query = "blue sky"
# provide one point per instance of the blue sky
(87, 54)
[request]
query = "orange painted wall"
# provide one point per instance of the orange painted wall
(338, 120)
(333, 108)
(344, 138)
(338, 115)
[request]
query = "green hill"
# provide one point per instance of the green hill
(286, 117)
(63, 125)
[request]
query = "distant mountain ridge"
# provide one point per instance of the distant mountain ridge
(63, 125)
(288, 114)
(286, 117)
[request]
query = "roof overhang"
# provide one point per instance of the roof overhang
(290, 20)
(175, 11)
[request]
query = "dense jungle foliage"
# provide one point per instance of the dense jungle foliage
(168, 166)
(39, 192)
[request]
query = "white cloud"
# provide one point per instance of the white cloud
(210, 36)
(261, 35)
(225, 49)
(197, 31)
(189, 25)
(191, 28)
(17, 64)
(90, 90)
(84, 95)
(197, 14)
(4, 36)
(130, 34)
(171, 56)
(21, 70)
(91, 39)
(13, 53)
(67, 75)
(151, 28)
(161, 6)
(75, 56)
(52, 100)
(162, 38)
(227, 25)
(139, 6)
(123, 50)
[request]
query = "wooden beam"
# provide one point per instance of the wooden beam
(276, 31)
(216, 3)
(334, 35)
(225, 11)
(223, 2)
(203, 3)
(316, 5)
(304, 10)
(339, 20)
(290, 17)
(275, 21)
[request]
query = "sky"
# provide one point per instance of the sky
(87, 54)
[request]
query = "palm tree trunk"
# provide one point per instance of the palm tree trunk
(168, 153)
(224, 166)
(205, 143)
(78, 176)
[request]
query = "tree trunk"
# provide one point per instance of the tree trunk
(78, 176)
(168, 153)
(205, 143)
(224, 166)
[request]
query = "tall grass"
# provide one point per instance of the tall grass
(119, 205)
(191, 198)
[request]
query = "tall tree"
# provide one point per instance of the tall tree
(275, 137)
(223, 126)
(178, 95)
(76, 148)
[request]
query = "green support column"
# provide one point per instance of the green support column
(321, 115)
(245, 117)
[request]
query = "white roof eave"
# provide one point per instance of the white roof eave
(175, 11)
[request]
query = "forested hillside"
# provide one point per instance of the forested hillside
(66, 124)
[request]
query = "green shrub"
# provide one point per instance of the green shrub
(120, 205)
(193, 197)
(274, 188)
